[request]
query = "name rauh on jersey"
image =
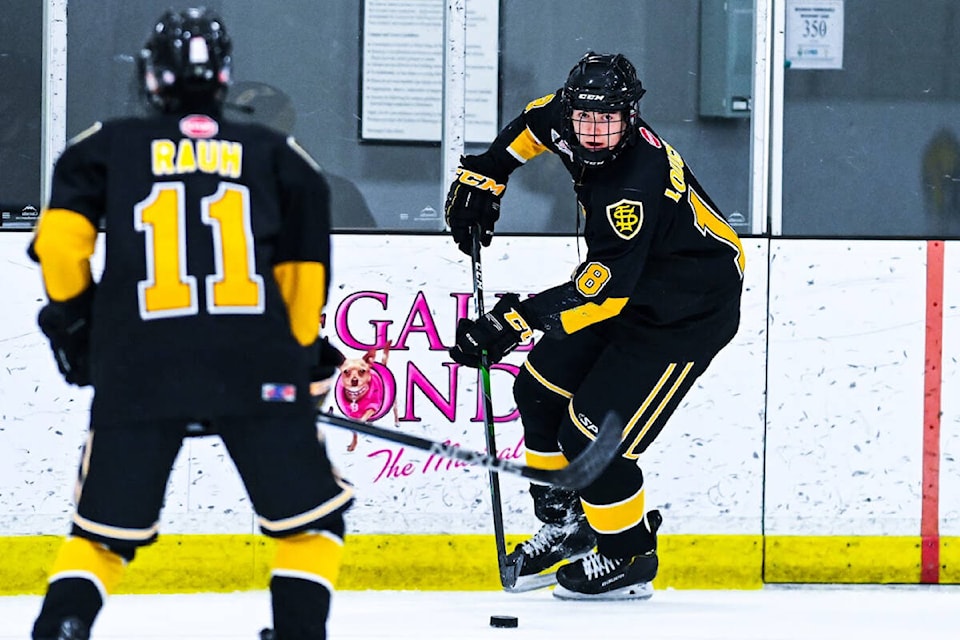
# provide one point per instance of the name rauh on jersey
(221, 157)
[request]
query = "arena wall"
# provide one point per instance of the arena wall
(822, 445)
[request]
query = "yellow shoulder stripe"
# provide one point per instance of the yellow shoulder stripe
(293, 144)
(86, 133)
(539, 102)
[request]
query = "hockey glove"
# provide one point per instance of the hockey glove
(67, 326)
(473, 200)
(497, 332)
(325, 362)
(328, 360)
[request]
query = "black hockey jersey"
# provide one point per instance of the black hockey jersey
(216, 265)
(663, 266)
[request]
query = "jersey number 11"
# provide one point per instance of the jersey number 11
(169, 291)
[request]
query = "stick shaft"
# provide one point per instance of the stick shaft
(488, 418)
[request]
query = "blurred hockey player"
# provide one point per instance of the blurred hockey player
(656, 298)
(205, 321)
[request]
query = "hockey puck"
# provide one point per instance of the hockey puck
(504, 622)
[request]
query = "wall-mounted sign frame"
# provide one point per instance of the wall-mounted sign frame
(401, 76)
(814, 34)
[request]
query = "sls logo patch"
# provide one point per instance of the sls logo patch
(626, 217)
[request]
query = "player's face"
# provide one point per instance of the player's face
(598, 130)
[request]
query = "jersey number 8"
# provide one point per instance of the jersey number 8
(592, 279)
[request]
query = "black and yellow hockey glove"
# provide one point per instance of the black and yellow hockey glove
(473, 200)
(498, 333)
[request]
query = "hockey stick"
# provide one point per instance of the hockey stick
(581, 471)
(508, 572)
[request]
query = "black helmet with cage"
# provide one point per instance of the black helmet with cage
(606, 83)
(186, 61)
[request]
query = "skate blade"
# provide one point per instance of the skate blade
(642, 591)
(530, 583)
(546, 578)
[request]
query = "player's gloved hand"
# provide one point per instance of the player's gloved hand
(473, 200)
(327, 359)
(67, 326)
(497, 332)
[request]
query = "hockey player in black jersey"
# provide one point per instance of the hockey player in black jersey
(656, 298)
(204, 321)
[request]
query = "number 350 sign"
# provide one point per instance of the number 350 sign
(814, 34)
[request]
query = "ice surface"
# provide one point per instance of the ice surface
(774, 613)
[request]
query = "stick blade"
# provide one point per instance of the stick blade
(509, 573)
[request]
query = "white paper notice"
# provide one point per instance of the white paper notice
(402, 92)
(814, 37)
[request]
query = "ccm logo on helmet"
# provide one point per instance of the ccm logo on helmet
(589, 96)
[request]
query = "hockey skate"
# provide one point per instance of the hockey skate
(598, 577)
(565, 535)
(532, 561)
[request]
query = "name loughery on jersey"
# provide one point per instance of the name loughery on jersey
(221, 157)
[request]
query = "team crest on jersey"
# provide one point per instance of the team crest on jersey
(626, 217)
(199, 126)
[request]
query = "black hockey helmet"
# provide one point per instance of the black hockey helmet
(601, 82)
(186, 61)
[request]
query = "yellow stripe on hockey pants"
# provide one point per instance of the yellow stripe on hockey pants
(82, 558)
(310, 556)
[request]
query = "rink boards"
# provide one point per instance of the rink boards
(821, 445)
